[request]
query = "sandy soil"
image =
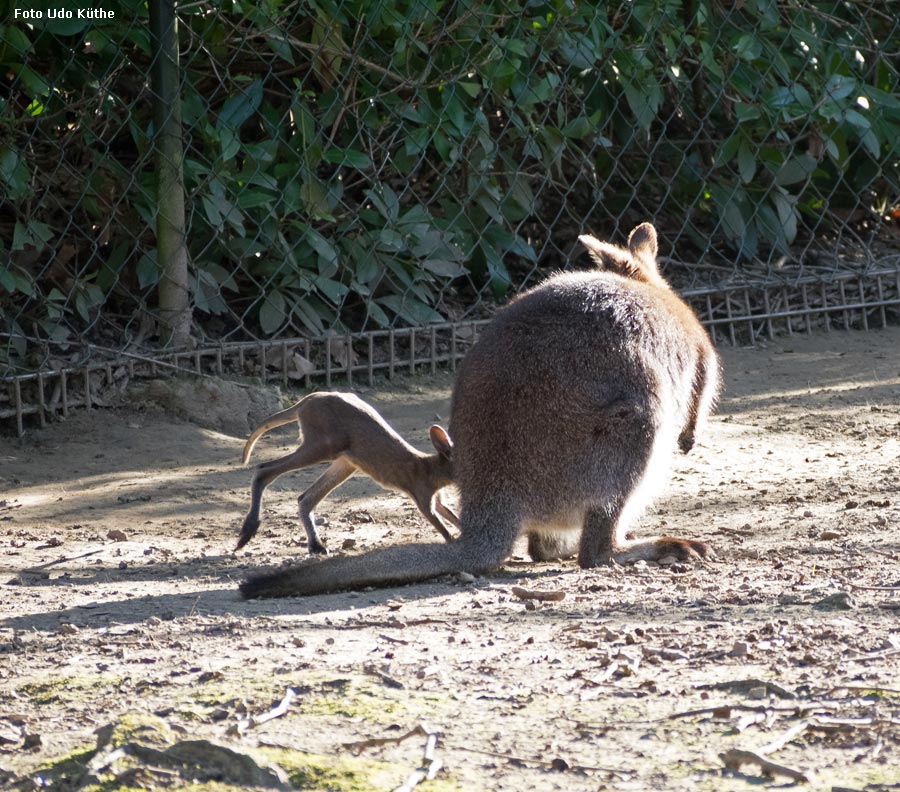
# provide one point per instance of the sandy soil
(640, 678)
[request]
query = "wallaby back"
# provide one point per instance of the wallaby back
(351, 425)
(564, 418)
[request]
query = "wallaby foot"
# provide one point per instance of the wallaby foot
(551, 547)
(335, 474)
(248, 530)
(686, 441)
(601, 543)
(681, 549)
(661, 547)
(308, 520)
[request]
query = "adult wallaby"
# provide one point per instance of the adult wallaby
(564, 418)
(343, 428)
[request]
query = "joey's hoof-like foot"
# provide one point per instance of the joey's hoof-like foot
(308, 519)
(248, 531)
(682, 549)
(686, 443)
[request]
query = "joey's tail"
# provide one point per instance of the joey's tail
(278, 419)
(386, 566)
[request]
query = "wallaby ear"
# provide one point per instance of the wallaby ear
(608, 257)
(642, 243)
(441, 441)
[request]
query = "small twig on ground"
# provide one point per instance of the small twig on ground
(256, 720)
(779, 742)
(61, 560)
(860, 587)
(735, 531)
(864, 658)
(430, 765)
(892, 556)
(392, 639)
(743, 685)
(540, 596)
(373, 742)
(864, 689)
(552, 765)
(722, 711)
(734, 758)
(388, 680)
(856, 723)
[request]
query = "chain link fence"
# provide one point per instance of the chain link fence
(294, 190)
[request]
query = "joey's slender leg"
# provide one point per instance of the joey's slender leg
(306, 454)
(335, 475)
(448, 514)
(425, 506)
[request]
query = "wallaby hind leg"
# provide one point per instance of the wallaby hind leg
(597, 538)
(602, 542)
(488, 530)
(603, 536)
(308, 453)
(335, 475)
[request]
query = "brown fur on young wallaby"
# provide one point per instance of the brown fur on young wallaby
(342, 429)
(564, 419)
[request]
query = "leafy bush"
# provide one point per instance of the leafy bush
(360, 163)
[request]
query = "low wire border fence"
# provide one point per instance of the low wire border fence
(742, 313)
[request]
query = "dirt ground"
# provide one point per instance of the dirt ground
(787, 645)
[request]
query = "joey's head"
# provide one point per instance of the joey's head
(637, 261)
(442, 443)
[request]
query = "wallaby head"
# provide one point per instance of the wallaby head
(637, 262)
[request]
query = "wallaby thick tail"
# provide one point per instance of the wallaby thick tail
(387, 566)
(279, 419)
